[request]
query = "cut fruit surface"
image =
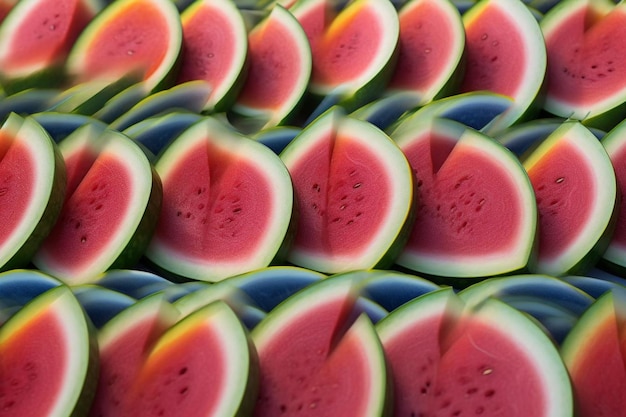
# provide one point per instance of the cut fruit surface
(354, 192)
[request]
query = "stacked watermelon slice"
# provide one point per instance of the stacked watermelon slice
(275, 198)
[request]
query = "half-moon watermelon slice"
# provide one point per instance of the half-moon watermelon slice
(431, 50)
(48, 358)
(476, 212)
(227, 204)
(354, 193)
(36, 37)
(585, 73)
(111, 207)
(594, 355)
(319, 356)
(450, 358)
(278, 74)
(215, 46)
(506, 54)
(138, 37)
(576, 193)
(32, 187)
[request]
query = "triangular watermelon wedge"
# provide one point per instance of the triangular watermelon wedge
(48, 358)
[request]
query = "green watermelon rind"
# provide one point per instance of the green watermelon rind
(80, 384)
(388, 241)
(603, 114)
(460, 269)
(289, 109)
(49, 192)
(528, 102)
(224, 96)
(343, 287)
(278, 237)
(134, 228)
(162, 77)
(528, 336)
(593, 240)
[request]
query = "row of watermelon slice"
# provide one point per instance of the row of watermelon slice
(291, 341)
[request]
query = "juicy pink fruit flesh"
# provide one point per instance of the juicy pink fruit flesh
(561, 181)
(426, 43)
(206, 55)
(342, 194)
(47, 34)
(16, 190)
(315, 21)
(466, 205)
(84, 224)
(586, 58)
(135, 40)
(619, 164)
(184, 379)
(206, 218)
(495, 53)
(314, 368)
(344, 56)
(275, 67)
(475, 370)
(31, 366)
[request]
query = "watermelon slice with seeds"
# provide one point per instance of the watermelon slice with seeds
(215, 46)
(455, 359)
(476, 211)
(36, 37)
(319, 355)
(110, 210)
(506, 54)
(48, 358)
(576, 192)
(585, 75)
(141, 38)
(32, 186)
(278, 74)
(354, 193)
(227, 204)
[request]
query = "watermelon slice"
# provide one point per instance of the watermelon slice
(111, 207)
(594, 355)
(354, 193)
(614, 257)
(215, 45)
(36, 37)
(455, 359)
(506, 54)
(576, 193)
(431, 50)
(476, 213)
(138, 37)
(227, 204)
(32, 186)
(48, 358)
(354, 48)
(278, 74)
(319, 356)
(585, 75)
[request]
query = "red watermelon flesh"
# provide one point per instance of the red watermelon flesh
(561, 182)
(16, 190)
(343, 191)
(618, 159)
(45, 35)
(458, 211)
(200, 219)
(84, 226)
(427, 41)
(315, 373)
(23, 358)
(495, 53)
(314, 19)
(585, 51)
(140, 28)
